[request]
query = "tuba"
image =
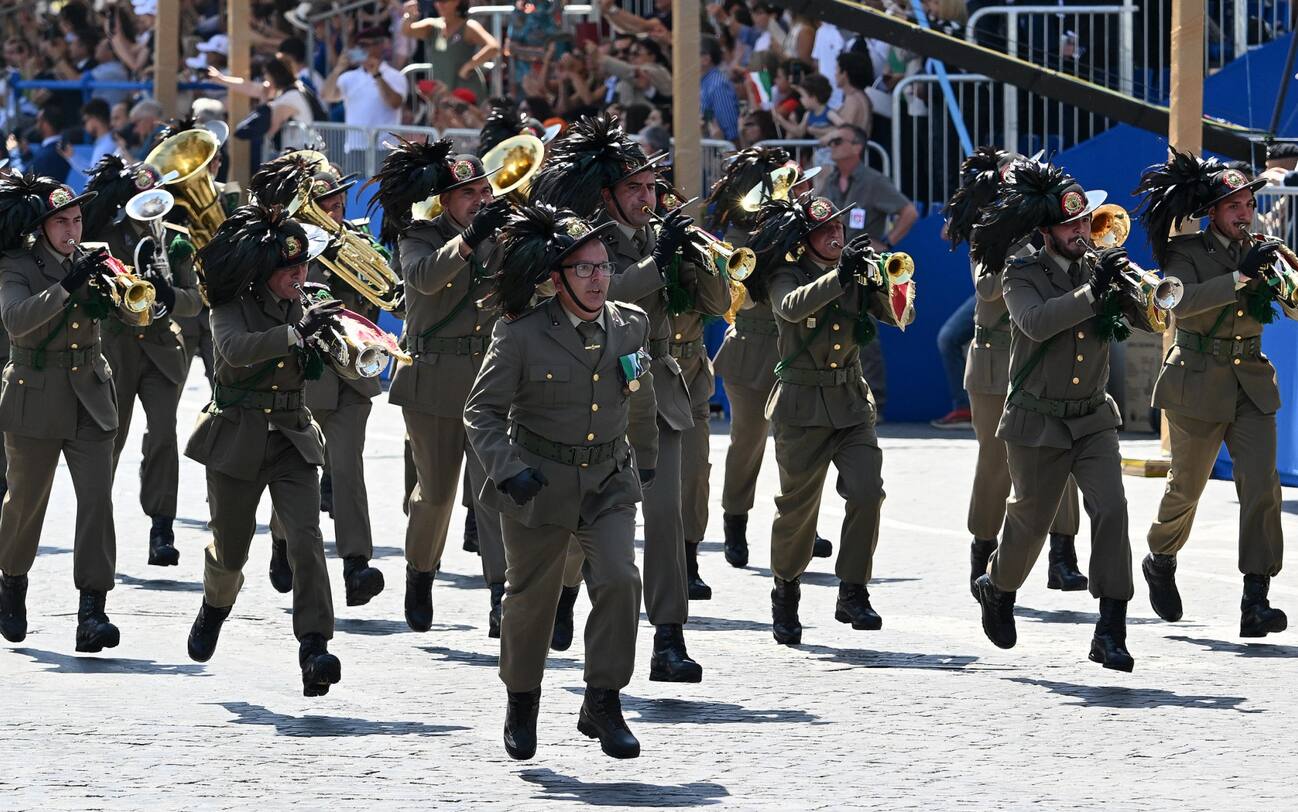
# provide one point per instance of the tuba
(352, 345)
(132, 297)
(512, 164)
(1110, 227)
(188, 153)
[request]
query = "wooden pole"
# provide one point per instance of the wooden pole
(237, 106)
(166, 56)
(685, 100)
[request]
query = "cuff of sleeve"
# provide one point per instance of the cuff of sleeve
(1086, 292)
(294, 339)
(1240, 280)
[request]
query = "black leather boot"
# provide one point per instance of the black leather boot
(998, 613)
(980, 552)
(1063, 573)
(601, 718)
(823, 547)
(1257, 617)
(561, 637)
(736, 529)
(520, 723)
(471, 532)
(361, 581)
(699, 590)
(493, 617)
(670, 661)
(854, 607)
(281, 574)
(94, 631)
(13, 607)
(419, 599)
(784, 612)
(327, 494)
(206, 631)
(1109, 645)
(320, 669)
(162, 543)
(1160, 573)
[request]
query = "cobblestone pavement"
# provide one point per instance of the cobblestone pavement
(925, 713)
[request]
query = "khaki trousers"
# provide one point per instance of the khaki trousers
(438, 445)
(803, 454)
(748, 430)
(32, 462)
(991, 485)
(536, 557)
(1251, 440)
(1040, 476)
(136, 376)
(695, 473)
(295, 496)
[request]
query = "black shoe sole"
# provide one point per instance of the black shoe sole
(165, 561)
(200, 656)
(822, 551)
(14, 635)
(1097, 656)
(664, 675)
(787, 639)
(697, 594)
(517, 754)
(419, 626)
(332, 675)
(1274, 627)
(588, 729)
(1078, 586)
(867, 625)
(365, 594)
(555, 644)
(736, 560)
(107, 640)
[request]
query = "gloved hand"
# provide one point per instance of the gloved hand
(672, 235)
(1258, 257)
(524, 486)
(646, 475)
(489, 219)
(82, 267)
(316, 317)
(163, 292)
(1110, 264)
(855, 259)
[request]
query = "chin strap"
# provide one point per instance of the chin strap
(575, 300)
(819, 255)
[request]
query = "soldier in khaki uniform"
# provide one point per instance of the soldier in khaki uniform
(987, 379)
(600, 173)
(548, 415)
(821, 406)
(56, 398)
(257, 432)
(448, 326)
(1216, 385)
(1064, 310)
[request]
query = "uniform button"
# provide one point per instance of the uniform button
(450, 284)
(678, 336)
(74, 369)
(594, 407)
(477, 328)
(988, 345)
(595, 377)
(1236, 362)
(590, 436)
(74, 346)
(1077, 380)
(1239, 338)
(274, 386)
(1239, 312)
(549, 376)
(585, 465)
(1080, 334)
(833, 326)
(21, 381)
(75, 325)
(1081, 358)
(139, 336)
(833, 365)
(838, 346)
(267, 411)
(280, 365)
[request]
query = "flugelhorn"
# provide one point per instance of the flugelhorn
(122, 290)
(887, 270)
(717, 256)
(352, 345)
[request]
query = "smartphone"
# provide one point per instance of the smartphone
(356, 55)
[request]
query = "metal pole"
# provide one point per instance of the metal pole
(166, 57)
(237, 105)
(1011, 111)
(1127, 47)
(1285, 79)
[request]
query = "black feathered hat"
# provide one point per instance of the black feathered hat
(595, 154)
(411, 173)
(253, 242)
(116, 182)
(280, 180)
(981, 175)
(22, 202)
(504, 120)
(534, 243)
(327, 184)
(780, 228)
(747, 168)
(61, 198)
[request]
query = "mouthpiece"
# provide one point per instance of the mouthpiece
(835, 244)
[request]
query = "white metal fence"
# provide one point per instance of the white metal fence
(1277, 212)
(926, 150)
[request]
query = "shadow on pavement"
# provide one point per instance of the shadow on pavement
(99, 664)
(459, 581)
(478, 658)
(160, 584)
(371, 628)
(703, 712)
(331, 550)
(826, 578)
(1105, 696)
(47, 550)
(865, 658)
(1241, 649)
(312, 725)
(699, 623)
(1074, 616)
(558, 787)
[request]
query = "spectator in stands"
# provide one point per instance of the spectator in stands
(81, 49)
(146, 122)
(109, 69)
(131, 35)
(534, 27)
(813, 94)
(855, 74)
(370, 89)
(120, 116)
(458, 48)
(579, 89)
(826, 46)
(644, 77)
(56, 66)
(759, 125)
(292, 52)
(766, 19)
(658, 25)
(286, 99)
(50, 156)
(95, 121)
(800, 40)
(871, 195)
(717, 99)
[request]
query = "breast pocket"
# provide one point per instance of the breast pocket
(551, 380)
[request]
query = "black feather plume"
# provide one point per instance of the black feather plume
(980, 178)
(528, 254)
(1029, 201)
(594, 154)
(247, 247)
(746, 169)
(115, 187)
(174, 126)
(411, 173)
(779, 227)
(22, 200)
(1171, 193)
(504, 120)
(279, 180)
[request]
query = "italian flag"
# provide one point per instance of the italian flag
(760, 83)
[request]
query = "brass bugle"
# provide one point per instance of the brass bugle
(895, 268)
(736, 264)
(126, 291)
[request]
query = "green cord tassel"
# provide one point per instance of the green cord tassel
(865, 330)
(1112, 326)
(1260, 304)
(312, 363)
(180, 250)
(679, 299)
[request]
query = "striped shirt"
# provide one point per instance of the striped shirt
(718, 102)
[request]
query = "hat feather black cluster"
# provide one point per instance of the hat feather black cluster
(22, 201)
(980, 178)
(279, 180)
(746, 169)
(595, 154)
(528, 252)
(411, 173)
(246, 248)
(504, 120)
(175, 126)
(1171, 193)
(779, 227)
(1027, 202)
(115, 186)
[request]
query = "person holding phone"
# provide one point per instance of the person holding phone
(370, 89)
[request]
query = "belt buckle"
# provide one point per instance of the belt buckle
(1237, 348)
(581, 456)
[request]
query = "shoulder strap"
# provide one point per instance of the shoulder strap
(1022, 375)
(788, 359)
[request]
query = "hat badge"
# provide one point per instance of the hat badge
(577, 229)
(292, 246)
(819, 209)
(144, 178)
(1233, 178)
(1072, 203)
(319, 187)
(462, 170)
(60, 197)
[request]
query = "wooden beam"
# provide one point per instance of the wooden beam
(685, 101)
(237, 106)
(166, 56)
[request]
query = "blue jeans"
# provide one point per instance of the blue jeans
(957, 331)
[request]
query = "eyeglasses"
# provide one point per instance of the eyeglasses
(833, 142)
(585, 270)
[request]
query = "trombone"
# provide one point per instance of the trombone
(719, 258)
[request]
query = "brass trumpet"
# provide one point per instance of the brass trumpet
(1282, 274)
(125, 292)
(352, 345)
(893, 268)
(718, 257)
(1110, 227)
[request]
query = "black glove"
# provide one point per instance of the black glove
(82, 267)
(672, 235)
(316, 317)
(1258, 257)
(855, 259)
(646, 475)
(523, 487)
(163, 292)
(489, 219)
(1110, 264)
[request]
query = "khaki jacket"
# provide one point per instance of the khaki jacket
(37, 311)
(255, 351)
(538, 375)
(1201, 385)
(441, 289)
(987, 365)
(747, 356)
(711, 298)
(1045, 306)
(804, 296)
(322, 394)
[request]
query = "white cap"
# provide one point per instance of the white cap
(145, 7)
(218, 43)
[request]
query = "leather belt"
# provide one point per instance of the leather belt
(756, 326)
(62, 359)
(819, 377)
(989, 338)
(1052, 407)
(230, 396)
(688, 349)
(1221, 348)
(659, 348)
(579, 455)
(462, 345)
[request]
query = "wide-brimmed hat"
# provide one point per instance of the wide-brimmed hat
(1183, 188)
(595, 154)
(327, 184)
(466, 169)
(533, 244)
(61, 198)
(1033, 195)
(1225, 182)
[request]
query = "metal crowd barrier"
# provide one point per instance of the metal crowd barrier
(1277, 212)
(803, 148)
(926, 153)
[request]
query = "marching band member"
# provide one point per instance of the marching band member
(821, 407)
(1216, 385)
(257, 432)
(987, 379)
(56, 398)
(1058, 419)
(559, 468)
(448, 325)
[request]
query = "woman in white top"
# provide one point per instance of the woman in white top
(801, 39)
(282, 93)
